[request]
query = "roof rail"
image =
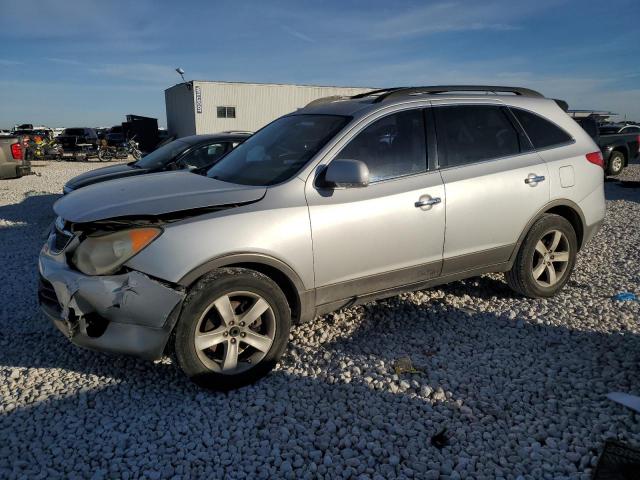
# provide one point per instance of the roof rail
(377, 92)
(384, 94)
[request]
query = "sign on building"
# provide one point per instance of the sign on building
(198, 99)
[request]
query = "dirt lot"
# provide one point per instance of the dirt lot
(519, 384)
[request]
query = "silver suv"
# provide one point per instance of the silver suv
(342, 202)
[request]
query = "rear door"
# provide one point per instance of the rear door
(494, 181)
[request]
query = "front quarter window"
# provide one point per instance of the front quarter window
(278, 151)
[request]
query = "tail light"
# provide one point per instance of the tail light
(596, 158)
(638, 139)
(16, 151)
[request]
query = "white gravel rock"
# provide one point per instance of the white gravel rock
(519, 384)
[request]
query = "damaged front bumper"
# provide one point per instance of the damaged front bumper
(129, 313)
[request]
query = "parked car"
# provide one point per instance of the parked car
(619, 145)
(13, 161)
(197, 152)
(333, 205)
(78, 142)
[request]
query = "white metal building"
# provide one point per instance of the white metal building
(198, 107)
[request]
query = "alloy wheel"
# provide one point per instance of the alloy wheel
(550, 258)
(235, 332)
(616, 163)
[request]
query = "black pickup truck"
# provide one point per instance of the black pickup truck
(78, 142)
(619, 143)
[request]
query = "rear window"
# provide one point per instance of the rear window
(163, 155)
(541, 132)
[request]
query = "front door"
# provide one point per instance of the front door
(389, 233)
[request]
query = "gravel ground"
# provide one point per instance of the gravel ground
(519, 384)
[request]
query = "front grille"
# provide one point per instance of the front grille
(47, 295)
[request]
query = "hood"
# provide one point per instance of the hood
(101, 174)
(152, 194)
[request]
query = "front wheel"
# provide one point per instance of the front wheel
(233, 328)
(136, 154)
(546, 258)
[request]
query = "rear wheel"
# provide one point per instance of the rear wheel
(616, 163)
(233, 329)
(104, 155)
(546, 258)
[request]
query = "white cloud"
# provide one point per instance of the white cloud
(298, 34)
(9, 63)
(146, 73)
(63, 61)
(448, 17)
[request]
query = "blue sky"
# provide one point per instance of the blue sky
(86, 62)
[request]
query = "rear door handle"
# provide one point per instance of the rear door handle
(427, 202)
(534, 179)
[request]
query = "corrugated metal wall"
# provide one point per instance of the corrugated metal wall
(180, 109)
(255, 104)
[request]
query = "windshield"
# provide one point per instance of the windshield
(163, 155)
(278, 151)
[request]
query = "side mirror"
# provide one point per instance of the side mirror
(346, 174)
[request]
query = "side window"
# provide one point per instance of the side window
(541, 132)
(630, 130)
(473, 133)
(203, 156)
(393, 146)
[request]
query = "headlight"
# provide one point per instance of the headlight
(104, 254)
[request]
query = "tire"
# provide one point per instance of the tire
(104, 155)
(616, 163)
(136, 154)
(531, 274)
(206, 311)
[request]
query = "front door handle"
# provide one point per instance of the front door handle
(427, 202)
(533, 179)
